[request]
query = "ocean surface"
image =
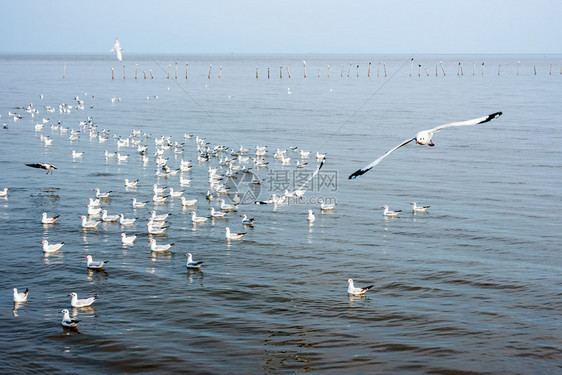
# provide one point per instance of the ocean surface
(473, 286)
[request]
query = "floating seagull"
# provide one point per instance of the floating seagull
(67, 321)
(94, 210)
(351, 289)
(159, 248)
(227, 207)
(131, 184)
(424, 138)
(327, 207)
(416, 208)
(93, 203)
(89, 223)
(389, 213)
(20, 297)
(159, 199)
(190, 264)
(188, 202)
(124, 221)
(48, 220)
(217, 214)
(311, 218)
(158, 190)
(153, 230)
(197, 219)
(233, 236)
(175, 194)
(48, 167)
(85, 302)
(99, 194)
(51, 248)
(138, 204)
(127, 240)
(95, 264)
(246, 221)
(76, 154)
(108, 218)
(117, 48)
(160, 217)
(4, 192)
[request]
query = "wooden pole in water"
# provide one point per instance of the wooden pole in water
(473, 68)
(288, 72)
(535, 69)
(419, 70)
(318, 72)
(341, 74)
(136, 70)
(209, 75)
(329, 70)
(459, 69)
(186, 66)
(268, 72)
(357, 71)
(462, 71)
(144, 71)
(123, 71)
(257, 72)
(550, 72)
(378, 69)
(499, 68)
(384, 67)
(349, 71)
(411, 66)
(64, 71)
(151, 75)
(426, 72)
(169, 67)
(482, 69)
(304, 63)
(280, 72)
(518, 64)
(435, 70)
(176, 76)
(442, 67)
(112, 74)
(369, 71)
(220, 71)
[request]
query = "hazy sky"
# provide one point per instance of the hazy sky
(292, 26)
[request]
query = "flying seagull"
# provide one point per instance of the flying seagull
(48, 167)
(424, 138)
(117, 48)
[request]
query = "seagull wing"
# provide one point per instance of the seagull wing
(36, 165)
(301, 189)
(476, 121)
(365, 169)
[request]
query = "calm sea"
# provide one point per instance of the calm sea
(472, 286)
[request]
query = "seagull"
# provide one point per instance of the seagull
(327, 207)
(154, 230)
(117, 48)
(160, 217)
(94, 210)
(158, 190)
(246, 221)
(93, 203)
(48, 220)
(4, 192)
(389, 213)
(131, 184)
(75, 302)
(197, 219)
(51, 248)
(138, 204)
(175, 194)
(416, 208)
(159, 199)
(233, 236)
(99, 194)
(217, 214)
(227, 207)
(190, 264)
(188, 202)
(311, 218)
(20, 297)
(124, 221)
(48, 167)
(159, 248)
(67, 321)
(95, 264)
(76, 154)
(424, 138)
(108, 218)
(89, 223)
(127, 240)
(351, 289)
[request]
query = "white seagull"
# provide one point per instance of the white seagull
(351, 289)
(160, 217)
(108, 218)
(93, 202)
(48, 220)
(131, 184)
(217, 214)
(197, 219)
(327, 207)
(190, 264)
(154, 230)
(125, 221)
(138, 204)
(117, 48)
(48, 167)
(95, 264)
(188, 202)
(94, 210)
(416, 208)
(89, 223)
(20, 297)
(127, 240)
(67, 321)
(246, 221)
(389, 213)
(311, 218)
(51, 248)
(159, 248)
(4, 192)
(227, 207)
(424, 138)
(233, 236)
(99, 194)
(85, 302)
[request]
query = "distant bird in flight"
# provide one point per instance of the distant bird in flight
(424, 138)
(48, 167)
(117, 48)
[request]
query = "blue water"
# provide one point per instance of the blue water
(474, 285)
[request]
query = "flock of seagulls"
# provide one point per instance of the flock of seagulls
(232, 164)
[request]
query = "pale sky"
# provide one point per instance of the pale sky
(292, 26)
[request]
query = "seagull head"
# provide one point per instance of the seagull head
(349, 281)
(72, 294)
